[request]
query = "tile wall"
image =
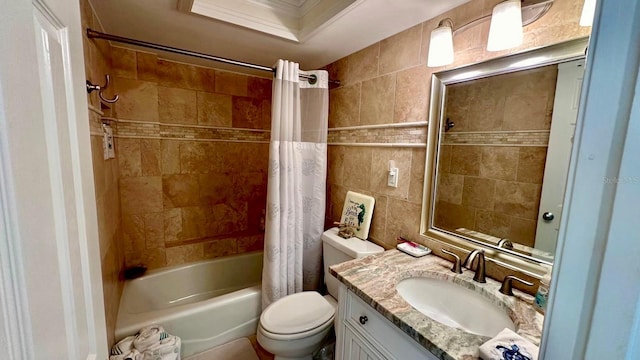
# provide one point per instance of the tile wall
(388, 83)
(492, 161)
(193, 152)
(97, 56)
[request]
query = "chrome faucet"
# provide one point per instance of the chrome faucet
(480, 271)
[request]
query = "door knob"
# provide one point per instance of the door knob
(547, 216)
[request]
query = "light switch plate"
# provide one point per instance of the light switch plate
(392, 180)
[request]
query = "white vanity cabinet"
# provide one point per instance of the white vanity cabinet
(363, 334)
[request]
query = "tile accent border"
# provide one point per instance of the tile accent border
(498, 138)
(156, 130)
(408, 135)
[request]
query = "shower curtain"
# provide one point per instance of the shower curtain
(296, 183)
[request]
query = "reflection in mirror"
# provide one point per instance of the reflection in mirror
(503, 151)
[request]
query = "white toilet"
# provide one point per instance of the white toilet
(293, 327)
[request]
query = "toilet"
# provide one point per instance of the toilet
(293, 327)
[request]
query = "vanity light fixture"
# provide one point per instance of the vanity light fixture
(505, 31)
(588, 10)
(441, 44)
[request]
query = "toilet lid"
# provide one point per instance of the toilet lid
(297, 313)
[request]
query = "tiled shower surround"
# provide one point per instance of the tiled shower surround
(192, 147)
(389, 83)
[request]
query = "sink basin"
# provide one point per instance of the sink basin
(454, 306)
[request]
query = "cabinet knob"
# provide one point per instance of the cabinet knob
(547, 216)
(363, 319)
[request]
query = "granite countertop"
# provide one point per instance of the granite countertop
(374, 280)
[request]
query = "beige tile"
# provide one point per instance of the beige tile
(479, 192)
(499, 162)
(155, 258)
(173, 74)
(259, 87)
(403, 219)
(401, 51)
(123, 62)
(378, 227)
(230, 217)
(449, 188)
(172, 222)
(177, 106)
(444, 158)
(151, 157)
(147, 66)
(214, 109)
(357, 167)
(248, 113)
(249, 186)
(154, 230)
(170, 156)
(196, 221)
(412, 95)
(231, 83)
(216, 188)
(222, 247)
(492, 223)
(526, 112)
(451, 216)
(378, 99)
(362, 65)
(416, 183)
(465, 160)
(335, 165)
(180, 190)
(138, 100)
(140, 195)
(133, 236)
(194, 157)
(380, 171)
(337, 196)
(338, 70)
(517, 199)
(250, 243)
(531, 164)
(184, 254)
(344, 106)
(523, 231)
(129, 157)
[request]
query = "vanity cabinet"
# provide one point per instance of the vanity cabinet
(364, 334)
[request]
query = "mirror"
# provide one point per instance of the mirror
(499, 151)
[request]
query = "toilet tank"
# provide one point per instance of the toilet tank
(336, 250)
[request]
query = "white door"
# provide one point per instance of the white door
(563, 126)
(51, 288)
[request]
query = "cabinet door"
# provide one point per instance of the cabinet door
(357, 348)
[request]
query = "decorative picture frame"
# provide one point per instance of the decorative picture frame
(357, 212)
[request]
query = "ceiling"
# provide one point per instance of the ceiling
(311, 32)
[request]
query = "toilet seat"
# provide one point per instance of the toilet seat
(297, 315)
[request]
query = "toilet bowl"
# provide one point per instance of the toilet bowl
(293, 327)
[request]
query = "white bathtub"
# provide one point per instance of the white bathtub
(206, 303)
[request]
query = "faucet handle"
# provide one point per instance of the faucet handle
(456, 264)
(506, 287)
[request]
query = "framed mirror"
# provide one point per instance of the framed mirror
(498, 152)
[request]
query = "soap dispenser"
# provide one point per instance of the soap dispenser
(542, 295)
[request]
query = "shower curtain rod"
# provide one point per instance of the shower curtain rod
(92, 34)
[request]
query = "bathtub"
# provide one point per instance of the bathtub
(206, 303)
